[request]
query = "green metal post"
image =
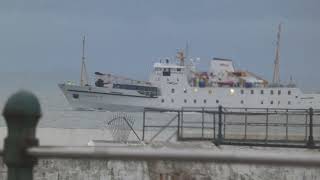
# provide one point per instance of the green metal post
(21, 112)
(310, 143)
(220, 137)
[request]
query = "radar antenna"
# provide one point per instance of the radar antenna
(83, 76)
(276, 70)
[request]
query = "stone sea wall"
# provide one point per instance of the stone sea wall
(70, 169)
(86, 169)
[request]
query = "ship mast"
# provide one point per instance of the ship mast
(83, 76)
(276, 70)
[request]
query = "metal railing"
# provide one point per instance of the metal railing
(22, 151)
(241, 126)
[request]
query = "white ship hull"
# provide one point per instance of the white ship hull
(110, 99)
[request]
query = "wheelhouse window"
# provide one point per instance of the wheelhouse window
(166, 72)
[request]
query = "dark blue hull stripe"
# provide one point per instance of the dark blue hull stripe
(114, 94)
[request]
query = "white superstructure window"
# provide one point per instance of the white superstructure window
(210, 91)
(271, 102)
(185, 90)
(172, 100)
(172, 90)
(217, 101)
(242, 91)
(204, 101)
(289, 102)
(289, 92)
(261, 102)
(261, 92)
(252, 91)
(271, 92)
(194, 101)
(185, 101)
(241, 101)
(279, 92)
(162, 100)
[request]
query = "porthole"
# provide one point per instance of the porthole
(185, 90)
(75, 96)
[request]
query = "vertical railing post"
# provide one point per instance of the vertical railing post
(214, 126)
(310, 143)
(202, 123)
(220, 137)
(287, 122)
(21, 112)
(178, 130)
(143, 123)
(245, 123)
(267, 124)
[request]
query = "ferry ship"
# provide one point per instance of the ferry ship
(178, 85)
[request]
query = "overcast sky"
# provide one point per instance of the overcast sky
(127, 37)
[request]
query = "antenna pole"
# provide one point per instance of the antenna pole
(83, 75)
(276, 70)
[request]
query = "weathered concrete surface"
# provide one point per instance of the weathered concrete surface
(71, 169)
